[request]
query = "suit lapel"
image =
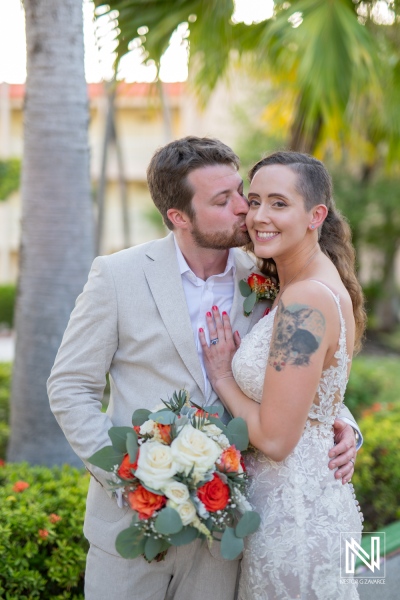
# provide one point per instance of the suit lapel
(241, 323)
(165, 282)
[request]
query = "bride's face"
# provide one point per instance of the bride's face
(277, 221)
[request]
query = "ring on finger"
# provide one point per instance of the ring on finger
(351, 460)
(214, 341)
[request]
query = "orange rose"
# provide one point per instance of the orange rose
(214, 494)
(124, 470)
(20, 486)
(230, 460)
(136, 429)
(144, 502)
(202, 413)
(165, 433)
(43, 533)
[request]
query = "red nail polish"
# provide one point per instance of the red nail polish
(201, 330)
(224, 312)
(215, 307)
(209, 314)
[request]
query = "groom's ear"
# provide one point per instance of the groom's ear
(178, 218)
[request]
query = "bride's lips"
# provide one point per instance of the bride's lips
(266, 236)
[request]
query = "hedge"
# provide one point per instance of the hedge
(7, 301)
(42, 548)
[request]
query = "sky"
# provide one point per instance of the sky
(98, 60)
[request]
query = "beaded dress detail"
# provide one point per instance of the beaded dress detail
(296, 553)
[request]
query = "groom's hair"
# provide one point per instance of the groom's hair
(167, 173)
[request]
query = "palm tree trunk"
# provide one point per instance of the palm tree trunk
(57, 220)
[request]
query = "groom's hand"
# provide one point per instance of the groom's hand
(343, 454)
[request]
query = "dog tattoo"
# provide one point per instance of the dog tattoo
(298, 333)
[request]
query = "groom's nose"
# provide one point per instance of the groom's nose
(241, 206)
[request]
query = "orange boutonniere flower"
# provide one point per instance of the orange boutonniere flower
(257, 287)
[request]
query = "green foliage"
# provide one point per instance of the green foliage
(9, 177)
(42, 548)
(377, 473)
(374, 382)
(7, 301)
(5, 384)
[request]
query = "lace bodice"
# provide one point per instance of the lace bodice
(250, 363)
(297, 552)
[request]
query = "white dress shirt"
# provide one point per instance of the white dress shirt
(202, 295)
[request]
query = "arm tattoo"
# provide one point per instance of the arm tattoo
(298, 333)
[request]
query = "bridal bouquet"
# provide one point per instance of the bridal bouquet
(180, 470)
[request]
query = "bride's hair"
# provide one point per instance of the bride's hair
(315, 186)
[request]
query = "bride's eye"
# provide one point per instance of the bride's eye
(253, 203)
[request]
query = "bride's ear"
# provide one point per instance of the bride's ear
(318, 216)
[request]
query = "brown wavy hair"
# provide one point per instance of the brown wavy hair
(314, 184)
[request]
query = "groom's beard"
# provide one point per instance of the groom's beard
(222, 240)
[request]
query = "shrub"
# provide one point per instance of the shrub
(7, 301)
(42, 548)
(377, 473)
(373, 380)
(5, 383)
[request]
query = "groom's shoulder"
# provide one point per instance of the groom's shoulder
(139, 254)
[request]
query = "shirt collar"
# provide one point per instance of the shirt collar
(184, 267)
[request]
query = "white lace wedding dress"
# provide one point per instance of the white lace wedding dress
(296, 553)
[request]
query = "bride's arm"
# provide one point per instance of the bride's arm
(299, 347)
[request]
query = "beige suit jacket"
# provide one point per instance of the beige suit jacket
(131, 320)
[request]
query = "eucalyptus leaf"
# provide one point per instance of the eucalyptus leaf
(132, 445)
(140, 416)
(237, 433)
(249, 523)
(244, 288)
(185, 536)
(130, 543)
(106, 458)
(118, 437)
(249, 303)
(231, 546)
(152, 547)
(164, 417)
(212, 409)
(168, 522)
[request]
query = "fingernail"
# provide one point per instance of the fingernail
(201, 330)
(339, 474)
(215, 307)
(224, 312)
(209, 314)
(237, 333)
(333, 465)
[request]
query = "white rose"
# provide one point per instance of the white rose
(155, 465)
(187, 512)
(147, 427)
(192, 447)
(211, 430)
(176, 491)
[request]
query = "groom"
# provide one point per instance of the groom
(138, 318)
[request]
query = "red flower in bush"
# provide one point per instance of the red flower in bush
(144, 502)
(43, 533)
(2, 462)
(214, 494)
(124, 470)
(20, 486)
(53, 518)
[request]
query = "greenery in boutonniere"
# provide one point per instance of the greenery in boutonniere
(257, 287)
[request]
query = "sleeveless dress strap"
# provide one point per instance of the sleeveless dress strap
(342, 337)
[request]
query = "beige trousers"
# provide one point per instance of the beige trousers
(187, 573)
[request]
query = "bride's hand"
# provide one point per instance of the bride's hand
(223, 345)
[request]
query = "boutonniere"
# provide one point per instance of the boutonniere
(257, 287)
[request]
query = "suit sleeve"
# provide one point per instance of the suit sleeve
(346, 416)
(78, 378)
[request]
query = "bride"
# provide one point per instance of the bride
(287, 380)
